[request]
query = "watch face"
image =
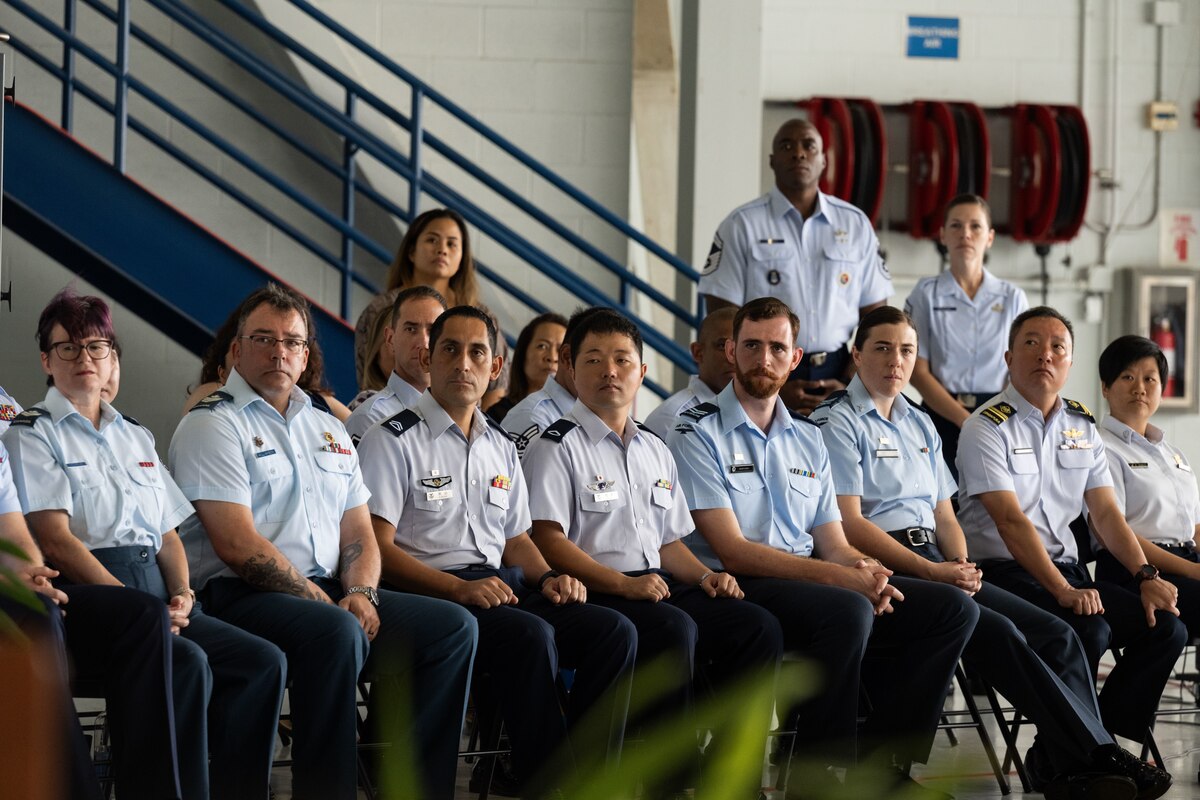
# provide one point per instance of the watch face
(1148, 572)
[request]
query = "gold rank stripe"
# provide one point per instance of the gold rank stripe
(999, 412)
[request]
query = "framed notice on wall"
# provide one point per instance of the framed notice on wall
(1160, 304)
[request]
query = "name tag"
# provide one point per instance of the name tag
(737, 469)
(1185, 467)
(440, 494)
(603, 497)
(1020, 451)
(264, 454)
(882, 453)
(1139, 465)
(945, 308)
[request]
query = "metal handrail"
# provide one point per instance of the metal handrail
(356, 138)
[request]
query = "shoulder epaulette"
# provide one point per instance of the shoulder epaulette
(701, 411)
(1080, 409)
(558, 430)
(499, 428)
(399, 423)
(998, 413)
(213, 400)
(28, 417)
(642, 427)
(796, 415)
(916, 406)
(131, 420)
(832, 400)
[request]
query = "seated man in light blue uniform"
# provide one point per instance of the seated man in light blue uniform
(282, 546)
(894, 491)
(713, 372)
(413, 313)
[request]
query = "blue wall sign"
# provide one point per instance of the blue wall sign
(933, 37)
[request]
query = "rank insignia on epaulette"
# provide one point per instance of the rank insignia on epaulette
(213, 400)
(998, 413)
(28, 417)
(701, 411)
(1080, 409)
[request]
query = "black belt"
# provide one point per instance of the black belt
(822, 365)
(1188, 547)
(917, 537)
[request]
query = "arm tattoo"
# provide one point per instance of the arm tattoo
(350, 554)
(262, 572)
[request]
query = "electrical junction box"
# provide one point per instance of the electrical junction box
(1163, 115)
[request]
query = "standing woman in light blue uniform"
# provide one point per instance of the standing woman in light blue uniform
(962, 318)
(105, 509)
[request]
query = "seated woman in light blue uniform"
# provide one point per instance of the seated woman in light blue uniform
(1154, 483)
(105, 509)
(962, 318)
(894, 493)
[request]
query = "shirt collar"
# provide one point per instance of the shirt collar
(946, 284)
(402, 389)
(700, 389)
(860, 400)
(244, 394)
(60, 408)
(1024, 407)
(439, 421)
(733, 415)
(597, 429)
(780, 205)
(1154, 434)
(555, 391)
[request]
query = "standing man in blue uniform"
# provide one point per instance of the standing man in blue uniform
(757, 478)
(713, 372)
(813, 251)
(450, 512)
(413, 313)
(1027, 464)
(282, 546)
(607, 508)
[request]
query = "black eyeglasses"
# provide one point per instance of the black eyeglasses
(260, 342)
(97, 350)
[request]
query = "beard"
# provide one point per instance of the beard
(760, 383)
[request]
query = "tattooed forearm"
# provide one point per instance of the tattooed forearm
(350, 554)
(264, 572)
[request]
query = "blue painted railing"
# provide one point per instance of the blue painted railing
(344, 123)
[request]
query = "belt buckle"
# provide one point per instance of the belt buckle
(968, 399)
(917, 537)
(817, 359)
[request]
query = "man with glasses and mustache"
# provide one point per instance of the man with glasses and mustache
(282, 546)
(757, 478)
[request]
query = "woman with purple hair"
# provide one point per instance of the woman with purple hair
(105, 511)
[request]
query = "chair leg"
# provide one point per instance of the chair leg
(1009, 732)
(988, 749)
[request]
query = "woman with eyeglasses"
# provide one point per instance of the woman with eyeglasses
(105, 511)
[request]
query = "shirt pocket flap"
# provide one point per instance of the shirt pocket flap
(839, 251)
(1023, 463)
(806, 486)
(145, 476)
(746, 482)
(661, 496)
(336, 463)
(768, 252)
(1075, 458)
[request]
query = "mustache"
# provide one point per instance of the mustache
(762, 372)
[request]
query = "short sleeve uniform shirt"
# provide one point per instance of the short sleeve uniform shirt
(617, 498)
(964, 339)
(1153, 481)
(895, 466)
(297, 473)
(1048, 464)
(825, 268)
(110, 482)
(662, 419)
(535, 413)
(454, 501)
(777, 483)
(398, 395)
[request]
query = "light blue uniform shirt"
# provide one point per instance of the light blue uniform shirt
(662, 419)
(1153, 481)
(617, 498)
(527, 419)
(398, 395)
(110, 482)
(895, 466)
(10, 503)
(825, 268)
(454, 502)
(778, 483)
(1007, 447)
(298, 475)
(963, 339)
(9, 408)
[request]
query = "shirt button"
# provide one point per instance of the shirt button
(300, 456)
(474, 517)
(128, 492)
(272, 470)
(308, 489)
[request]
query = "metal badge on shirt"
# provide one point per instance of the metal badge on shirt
(602, 490)
(434, 484)
(1073, 440)
(740, 465)
(886, 449)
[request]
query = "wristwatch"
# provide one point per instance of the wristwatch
(367, 592)
(1146, 572)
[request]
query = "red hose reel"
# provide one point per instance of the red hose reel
(949, 153)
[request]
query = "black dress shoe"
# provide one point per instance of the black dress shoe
(504, 782)
(1090, 786)
(1038, 767)
(1151, 781)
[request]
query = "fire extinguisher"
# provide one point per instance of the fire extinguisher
(1164, 337)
